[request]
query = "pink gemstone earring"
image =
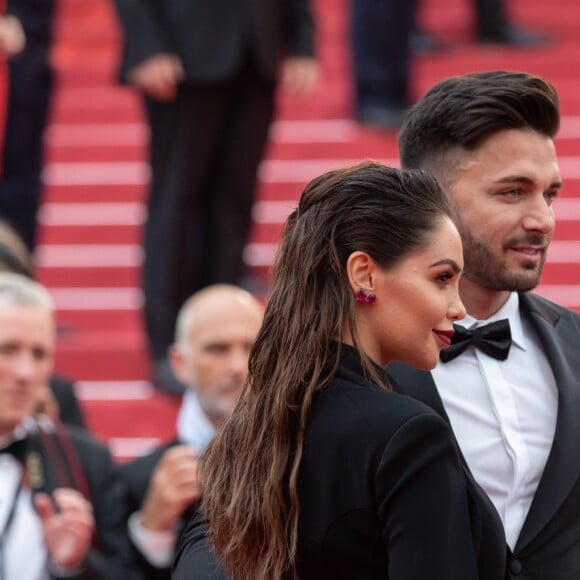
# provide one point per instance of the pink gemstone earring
(366, 296)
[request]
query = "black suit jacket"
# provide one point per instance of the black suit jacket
(111, 556)
(382, 494)
(70, 411)
(137, 476)
(548, 547)
(214, 38)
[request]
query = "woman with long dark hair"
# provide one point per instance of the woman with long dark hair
(322, 471)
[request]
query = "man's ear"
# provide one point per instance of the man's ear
(361, 271)
(177, 362)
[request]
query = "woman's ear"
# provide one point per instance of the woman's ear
(361, 271)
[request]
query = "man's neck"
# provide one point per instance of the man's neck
(481, 303)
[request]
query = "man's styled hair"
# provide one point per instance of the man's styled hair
(459, 113)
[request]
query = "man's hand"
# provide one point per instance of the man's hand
(158, 76)
(68, 529)
(12, 39)
(174, 486)
(299, 75)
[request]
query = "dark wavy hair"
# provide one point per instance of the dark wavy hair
(250, 469)
(460, 112)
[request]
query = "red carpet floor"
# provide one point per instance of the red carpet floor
(96, 175)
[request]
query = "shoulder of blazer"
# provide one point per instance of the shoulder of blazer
(546, 309)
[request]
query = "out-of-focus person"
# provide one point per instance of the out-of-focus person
(208, 73)
(493, 25)
(62, 502)
(381, 55)
(216, 328)
(26, 33)
(58, 399)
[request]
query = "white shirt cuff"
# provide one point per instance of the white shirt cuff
(158, 547)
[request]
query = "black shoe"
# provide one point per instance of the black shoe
(423, 43)
(384, 118)
(165, 380)
(515, 36)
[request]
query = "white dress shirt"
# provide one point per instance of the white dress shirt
(24, 551)
(503, 414)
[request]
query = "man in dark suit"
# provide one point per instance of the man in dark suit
(381, 57)
(60, 402)
(30, 85)
(216, 328)
(207, 71)
(62, 502)
(509, 383)
(494, 26)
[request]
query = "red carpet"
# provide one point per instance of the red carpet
(96, 175)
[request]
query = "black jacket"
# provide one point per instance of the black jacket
(382, 494)
(137, 475)
(214, 38)
(74, 459)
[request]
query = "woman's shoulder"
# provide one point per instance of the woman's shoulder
(367, 409)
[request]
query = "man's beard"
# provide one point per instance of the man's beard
(485, 269)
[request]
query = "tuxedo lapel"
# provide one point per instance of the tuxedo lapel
(560, 337)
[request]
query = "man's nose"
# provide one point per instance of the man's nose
(239, 362)
(24, 366)
(539, 216)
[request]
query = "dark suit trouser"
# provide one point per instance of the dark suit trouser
(30, 86)
(205, 150)
(380, 32)
(490, 16)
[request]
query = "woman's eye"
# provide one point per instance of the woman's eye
(445, 277)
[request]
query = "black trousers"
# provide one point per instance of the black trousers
(205, 150)
(490, 16)
(380, 31)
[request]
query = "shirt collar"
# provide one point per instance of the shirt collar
(193, 425)
(17, 434)
(511, 311)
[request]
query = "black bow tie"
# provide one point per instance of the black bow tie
(17, 448)
(493, 339)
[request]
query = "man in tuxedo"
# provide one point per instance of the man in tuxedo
(216, 328)
(509, 384)
(207, 72)
(62, 502)
(58, 399)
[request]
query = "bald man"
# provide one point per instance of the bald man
(215, 331)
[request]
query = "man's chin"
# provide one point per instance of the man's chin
(522, 282)
(510, 277)
(218, 410)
